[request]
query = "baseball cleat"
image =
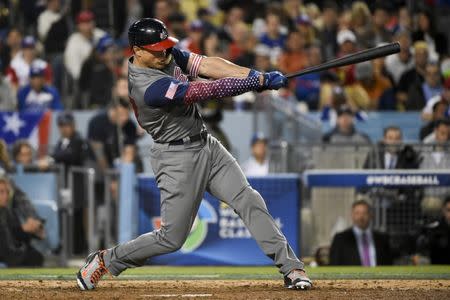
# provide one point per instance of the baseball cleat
(297, 280)
(92, 271)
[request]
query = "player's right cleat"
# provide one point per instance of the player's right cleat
(297, 279)
(92, 271)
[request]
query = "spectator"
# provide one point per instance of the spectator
(49, 16)
(328, 33)
(428, 111)
(37, 95)
(24, 59)
(345, 132)
(15, 235)
(439, 136)
(178, 26)
(304, 26)
(380, 18)
(234, 15)
(8, 101)
(293, 57)
(273, 37)
(437, 42)
(239, 35)
(247, 58)
(391, 154)
(258, 163)
(434, 240)
(361, 24)
(210, 45)
(414, 77)
(97, 75)
(192, 42)
(292, 9)
(22, 154)
(5, 162)
(205, 15)
(12, 46)
(313, 12)
(307, 87)
(80, 43)
(71, 149)
(359, 244)
(134, 12)
(333, 97)
(436, 157)
(113, 135)
(163, 9)
(262, 58)
(53, 31)
(440, 109)
(404, 20)
(419, 95)
(375, 85)
(399, 63)
(346, 40)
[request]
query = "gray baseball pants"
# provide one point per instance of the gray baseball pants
(183, 173)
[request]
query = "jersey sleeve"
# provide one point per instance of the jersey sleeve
(168, 90)
(165, 91)
(182, 59)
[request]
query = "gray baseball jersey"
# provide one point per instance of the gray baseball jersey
(169, 122)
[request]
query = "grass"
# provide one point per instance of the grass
(213, 272)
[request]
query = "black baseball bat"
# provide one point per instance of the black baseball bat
(351, 59)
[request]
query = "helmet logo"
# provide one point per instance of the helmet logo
(163, 35)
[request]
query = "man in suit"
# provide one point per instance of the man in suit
(392, 154)
(389, 153)
(359, 244)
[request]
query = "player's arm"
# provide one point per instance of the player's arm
(217, 67)
(169, 91)
(209, 67)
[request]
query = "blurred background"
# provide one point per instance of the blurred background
(366, 146)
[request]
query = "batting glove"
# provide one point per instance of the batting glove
(274, 80)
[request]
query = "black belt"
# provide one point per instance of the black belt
(194, 138)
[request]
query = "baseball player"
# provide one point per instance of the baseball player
(186, 160)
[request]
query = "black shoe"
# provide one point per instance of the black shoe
(297, 279)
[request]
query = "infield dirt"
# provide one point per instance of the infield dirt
(227, 289)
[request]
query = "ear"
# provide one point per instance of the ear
(135, 50)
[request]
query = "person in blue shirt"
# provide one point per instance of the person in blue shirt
(273, 37)
(38, 96)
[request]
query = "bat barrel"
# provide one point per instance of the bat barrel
(351, 59)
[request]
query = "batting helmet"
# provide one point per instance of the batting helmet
(150, 34)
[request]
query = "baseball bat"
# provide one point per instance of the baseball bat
(350, 59)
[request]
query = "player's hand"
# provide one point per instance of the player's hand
(274, 80)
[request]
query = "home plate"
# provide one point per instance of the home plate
(178, 295)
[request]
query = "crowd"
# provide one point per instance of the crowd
(72, 55)
(79, 53)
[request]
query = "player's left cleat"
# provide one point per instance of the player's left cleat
(92, 271)
(297, 279)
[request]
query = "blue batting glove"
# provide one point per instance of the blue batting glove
(274, 80)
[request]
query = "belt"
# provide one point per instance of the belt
(190, 139)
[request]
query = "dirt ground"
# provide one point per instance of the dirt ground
(227, 289)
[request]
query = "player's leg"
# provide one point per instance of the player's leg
(181, 176)
(228, 183)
